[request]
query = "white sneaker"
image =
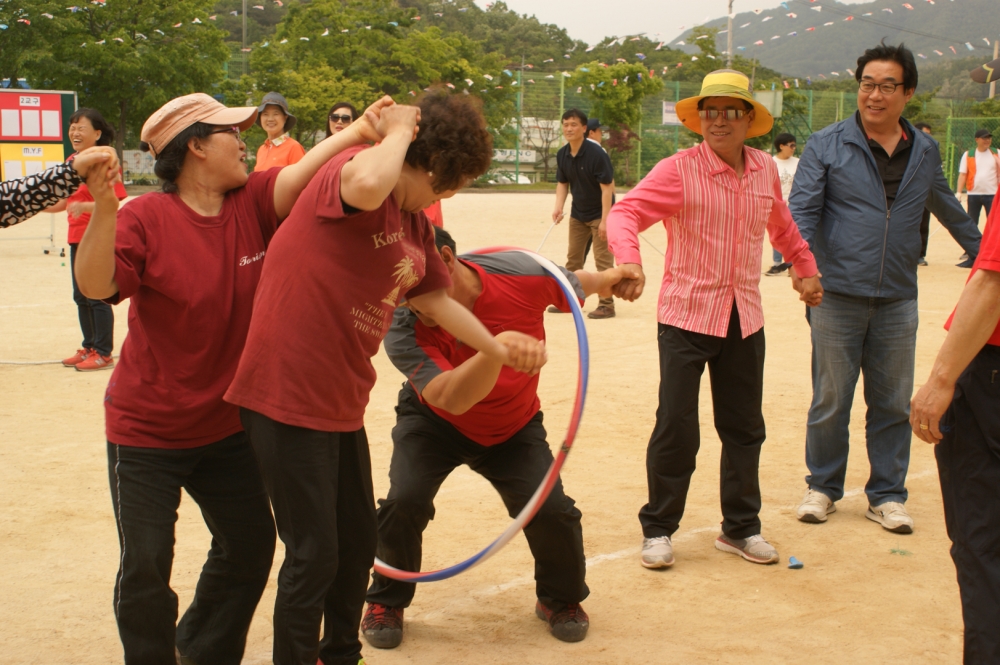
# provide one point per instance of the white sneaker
(657, 552)
(892, 516)
(754, 549)
(815, 507)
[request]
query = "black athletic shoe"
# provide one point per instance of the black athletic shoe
(382, 626)
(569, 624)
(921, 261)
(777, 269)
(966, 263)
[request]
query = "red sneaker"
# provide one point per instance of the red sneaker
(569, 624)
(95, 361)
(76, 358)
(382, 626)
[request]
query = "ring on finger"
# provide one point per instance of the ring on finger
(924, 427)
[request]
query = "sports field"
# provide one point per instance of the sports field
(864, 596)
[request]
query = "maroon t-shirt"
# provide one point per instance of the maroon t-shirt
(191, 280)
(516, 291)
(331, 281)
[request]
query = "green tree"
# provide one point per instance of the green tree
(24, 36)
(618, 91)
(126, 58)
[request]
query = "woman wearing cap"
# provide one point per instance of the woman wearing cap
(341, 115)
(190, 258)
(279, 149)
(88, 129)
(354, 248)
(717, 199)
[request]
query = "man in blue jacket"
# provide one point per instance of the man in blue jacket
(858, 197)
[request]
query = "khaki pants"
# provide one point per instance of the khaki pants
(579, 233)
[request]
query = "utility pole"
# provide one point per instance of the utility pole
(244, 51)
(520, 107)
(562, 103)
(996, 54)
(729, 38)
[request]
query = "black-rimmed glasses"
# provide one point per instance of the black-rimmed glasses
(728, 114)
(886, 88)
(235, 131)
(346, 119)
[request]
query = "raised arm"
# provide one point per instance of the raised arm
(368, 179)
(95, 259)
(24, 198)
(294, 177)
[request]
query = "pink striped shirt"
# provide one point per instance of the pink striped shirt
(715, 233)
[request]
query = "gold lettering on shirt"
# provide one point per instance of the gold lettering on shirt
(383, 240)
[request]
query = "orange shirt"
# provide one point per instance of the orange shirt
(281, 152)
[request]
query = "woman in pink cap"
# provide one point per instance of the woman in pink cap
(190, 257)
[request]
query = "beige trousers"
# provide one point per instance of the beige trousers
(579, 234)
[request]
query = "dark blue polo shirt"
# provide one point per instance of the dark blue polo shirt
(585, 174)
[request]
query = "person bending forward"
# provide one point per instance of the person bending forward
(460, 407)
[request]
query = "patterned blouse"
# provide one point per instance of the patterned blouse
(25, 197)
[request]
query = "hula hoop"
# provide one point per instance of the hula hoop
(549, 481)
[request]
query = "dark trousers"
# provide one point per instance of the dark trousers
(969, 466)
(736, 369)
(97, 319)
(426, 448)
(320, 484)
(925, 228)
(146, 484)
(976, 204)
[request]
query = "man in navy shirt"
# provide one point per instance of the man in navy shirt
(584, 168)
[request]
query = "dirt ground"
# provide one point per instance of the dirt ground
(864, 596)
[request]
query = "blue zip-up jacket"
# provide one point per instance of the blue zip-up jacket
(838, 201)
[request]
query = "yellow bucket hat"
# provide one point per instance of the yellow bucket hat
(725, 83)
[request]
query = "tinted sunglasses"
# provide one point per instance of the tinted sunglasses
(346, 119)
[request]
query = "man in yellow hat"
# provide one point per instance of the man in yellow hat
(716, 200)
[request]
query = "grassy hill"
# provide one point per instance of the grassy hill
(836, 47)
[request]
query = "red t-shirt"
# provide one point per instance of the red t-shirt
(516, 291)
(192, 281)
(77, 225)
(331, 281)
(988, 259)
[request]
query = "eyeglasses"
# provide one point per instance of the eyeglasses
(346, 119)
(728, 114)
(886, 88)
(227, 130)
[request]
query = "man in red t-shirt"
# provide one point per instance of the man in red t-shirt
(460, 407)
(957, 409)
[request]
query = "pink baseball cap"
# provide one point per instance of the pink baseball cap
(178, 114)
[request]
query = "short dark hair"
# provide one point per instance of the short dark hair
(170, 161)
(898, 54)
(98, 122)
(783, 139)
(922, 126)
(443, 239)
(340, 105)
(575, 113)
(453, 142)
(746, 105)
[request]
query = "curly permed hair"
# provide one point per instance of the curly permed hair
(453, 142)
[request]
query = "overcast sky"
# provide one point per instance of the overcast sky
(592, 20)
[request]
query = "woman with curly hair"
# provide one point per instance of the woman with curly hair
(355, 247)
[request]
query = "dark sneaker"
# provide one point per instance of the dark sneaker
(382, 626)
(966, 263)
(777, 269)
(555, 310)
(602, 312)
(569, 624)
(921, 261)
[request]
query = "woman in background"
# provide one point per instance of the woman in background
(341, 115)
(279, 149)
